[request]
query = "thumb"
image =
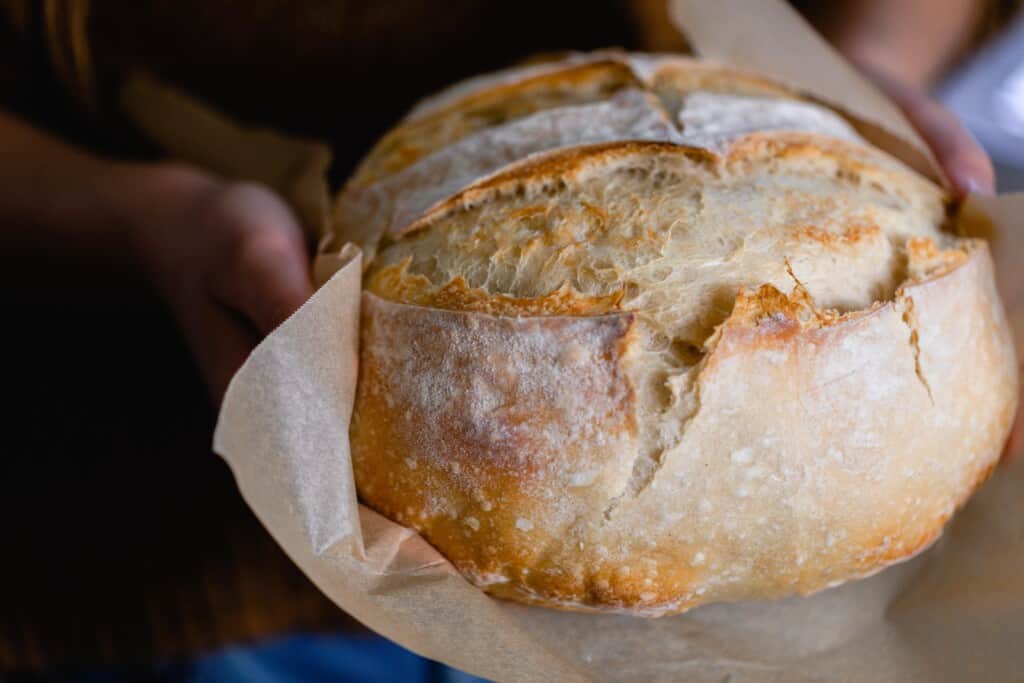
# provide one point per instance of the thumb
(266, 277)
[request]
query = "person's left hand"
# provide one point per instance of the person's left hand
(230, 259)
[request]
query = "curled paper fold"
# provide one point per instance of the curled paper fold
(302, 478)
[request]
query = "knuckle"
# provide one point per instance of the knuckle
(254, 252)
(258, 263)
(245, 211)
(250, 240)
(271, 245)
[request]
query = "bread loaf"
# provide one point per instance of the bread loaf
(641, 333)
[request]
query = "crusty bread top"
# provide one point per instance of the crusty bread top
(669, 231)
(366, 212)
(491, 100)
(572, 191)
(476, 128)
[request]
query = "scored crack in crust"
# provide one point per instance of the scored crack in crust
(679, 339)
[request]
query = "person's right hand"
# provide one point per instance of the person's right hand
(904, 47)
(229, 258)
(965, 162)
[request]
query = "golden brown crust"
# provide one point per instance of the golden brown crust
(680, 75)
(475, 458)
(551, 169)
(364, 214)
(397, 284)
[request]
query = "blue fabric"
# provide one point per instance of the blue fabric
(288, 659)
(304, 658)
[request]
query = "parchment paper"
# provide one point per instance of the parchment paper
(955, 613)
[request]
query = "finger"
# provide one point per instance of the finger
(269, 280)
(963, 159)
(220, 340)
(266, 276)
(1011, 451)
(966, 163)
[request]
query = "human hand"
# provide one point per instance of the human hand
(904, 48)
(229, 258)
(965, 162)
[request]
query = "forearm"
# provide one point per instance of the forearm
(59, 198)
(53, 193)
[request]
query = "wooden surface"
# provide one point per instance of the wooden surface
(124, 537)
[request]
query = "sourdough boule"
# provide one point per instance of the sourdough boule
(641, 333)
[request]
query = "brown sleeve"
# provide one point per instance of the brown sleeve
(299, 66)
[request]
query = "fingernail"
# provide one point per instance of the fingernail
(971, 184)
